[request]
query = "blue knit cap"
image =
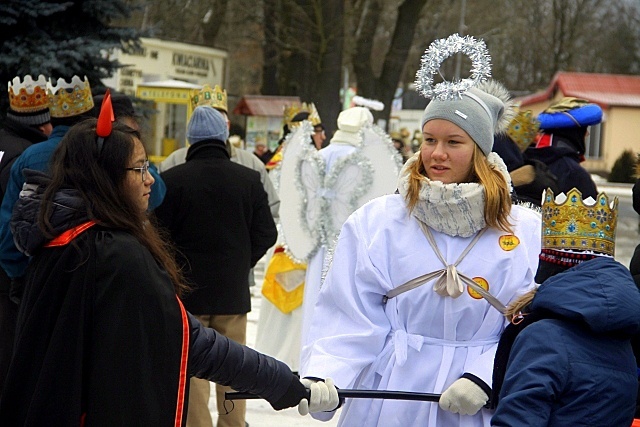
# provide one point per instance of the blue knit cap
(207, 123)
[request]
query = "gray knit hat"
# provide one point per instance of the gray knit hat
(476, 112)
(207, 123)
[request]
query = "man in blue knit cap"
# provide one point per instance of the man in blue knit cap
(218, 214)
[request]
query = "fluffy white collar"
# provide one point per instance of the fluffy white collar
(453, 209)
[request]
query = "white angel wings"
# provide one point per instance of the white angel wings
(315, 200)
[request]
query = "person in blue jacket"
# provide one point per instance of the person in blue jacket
(566, 358)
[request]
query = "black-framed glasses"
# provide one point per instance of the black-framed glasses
(144, 169)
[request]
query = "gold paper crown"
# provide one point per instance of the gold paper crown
(292, 110)
(523, 129)
(28, 96)
(314, 116)
(570, 224)
(69, 99)
(216, 98)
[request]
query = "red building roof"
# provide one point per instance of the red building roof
(603, 89)
(264, 105)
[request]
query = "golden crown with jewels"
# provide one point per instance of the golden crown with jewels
(28, 95)
(69, 99)
(216, 98)
(569, 223)
(523, 129)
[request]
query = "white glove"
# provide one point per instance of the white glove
(324, 396)
(464, 397)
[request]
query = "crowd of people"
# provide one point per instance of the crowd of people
(476, 265)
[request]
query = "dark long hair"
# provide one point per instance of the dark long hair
(99, 178)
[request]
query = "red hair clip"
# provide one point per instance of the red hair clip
(105, 120)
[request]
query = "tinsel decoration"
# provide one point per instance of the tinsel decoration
(371, 104)
(442, 49)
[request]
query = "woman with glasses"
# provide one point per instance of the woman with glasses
(103, 338)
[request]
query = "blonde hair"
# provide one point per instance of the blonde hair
(497, 204)
(516, 306)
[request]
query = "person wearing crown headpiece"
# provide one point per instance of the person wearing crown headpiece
(414, 295)
(566, 357)
(309, 112)
(530, 177)
(561, 142)
(67, 104)
(294, 116)
(217, 98)
(27, 122)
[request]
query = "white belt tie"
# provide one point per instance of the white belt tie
(402, 341)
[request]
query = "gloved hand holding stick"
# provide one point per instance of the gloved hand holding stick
(359, 394)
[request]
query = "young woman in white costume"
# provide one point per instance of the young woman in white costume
(462, 251)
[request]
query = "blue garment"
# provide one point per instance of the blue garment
(37, 157)
(576, 367)
(158, 188)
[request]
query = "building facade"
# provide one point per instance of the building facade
(165, 73)
(619, 98)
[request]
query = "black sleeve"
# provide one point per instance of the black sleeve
(216, 358)
(484, 386)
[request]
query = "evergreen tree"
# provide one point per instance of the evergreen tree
(624, 167)
(61, 39)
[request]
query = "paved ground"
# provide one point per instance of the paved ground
(260, 414)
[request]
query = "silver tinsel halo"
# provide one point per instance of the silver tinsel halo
(440, 50)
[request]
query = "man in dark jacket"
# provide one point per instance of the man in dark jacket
(219, 218)
(561, 145)
(28, 122)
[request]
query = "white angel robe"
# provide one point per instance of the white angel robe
(418, 341)
(315, 266)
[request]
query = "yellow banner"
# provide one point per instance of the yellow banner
(165, 95)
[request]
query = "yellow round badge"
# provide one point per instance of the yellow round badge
(508, 242)
(482, 283)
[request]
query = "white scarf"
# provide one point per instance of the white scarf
(453, 209)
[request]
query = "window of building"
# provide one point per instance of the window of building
(593, 142)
